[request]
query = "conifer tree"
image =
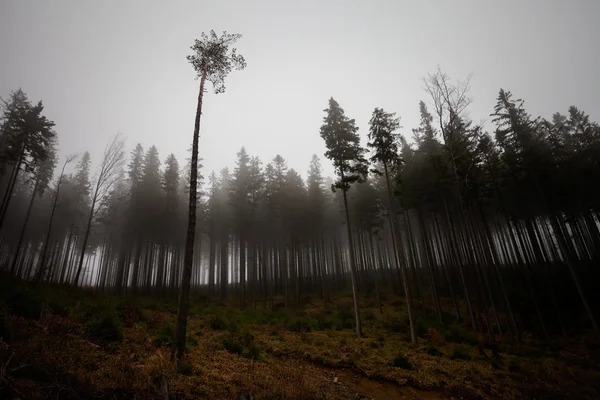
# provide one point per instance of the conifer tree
(343, 149)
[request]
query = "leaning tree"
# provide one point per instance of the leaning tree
(383, 140)
(212, 60)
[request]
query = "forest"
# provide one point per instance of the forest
(457, 260)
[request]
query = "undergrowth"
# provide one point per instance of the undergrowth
(111, 342)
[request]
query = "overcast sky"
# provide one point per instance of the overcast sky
(101, 67)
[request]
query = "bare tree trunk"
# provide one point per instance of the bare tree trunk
(85, 241)
(49, 230)
(352, 266)
(22, 235)
(10, 188)
(184, 294)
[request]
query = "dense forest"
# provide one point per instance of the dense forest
(495, 227)
(496, 221)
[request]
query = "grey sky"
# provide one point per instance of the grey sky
(107, 66)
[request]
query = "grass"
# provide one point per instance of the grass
(106, 343)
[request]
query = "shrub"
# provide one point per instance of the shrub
(396, 325)
(460, 352)
(253, 352)
(435, 336)
(165, 334)
(218, 323)
(299, 325)
(434, 351)
(421, 327)
(241, 344)
(401, 361)
(232, 344)
(345, 315)
(190, 341)
(106, 326)
(369, 316)
(130, 313)
(458, 334)
(323, 322)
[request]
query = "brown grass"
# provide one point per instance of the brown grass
(293, 365)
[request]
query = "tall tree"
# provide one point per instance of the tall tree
(41, 177)
(383, 140)
(212, 60)
(344, 150)
(26, 137)
(42, 263)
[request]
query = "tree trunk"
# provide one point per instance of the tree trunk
(352, 266)
(184, 294)
(10, 188)
(22, 235)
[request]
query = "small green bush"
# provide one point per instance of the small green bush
(396, 325)
(458, 334)
(421, 327)
(165, 334)
(345, 313)
(299, 325)
(232, 344)
(218, 323)
(105, 326)
(190, 341)
(401, 361)
(253, 352)
(434, 351)
(324, 322)
(460, 352)
(242, 344)
(369, 316)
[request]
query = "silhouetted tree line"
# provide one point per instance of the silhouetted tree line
(500, 229)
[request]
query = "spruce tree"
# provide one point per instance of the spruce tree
(344, 150)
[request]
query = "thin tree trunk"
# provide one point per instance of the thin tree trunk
(352, 266)
(24, 228)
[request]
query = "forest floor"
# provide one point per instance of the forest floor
(64, 343)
